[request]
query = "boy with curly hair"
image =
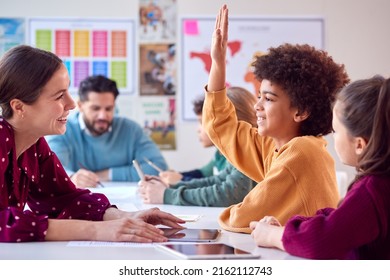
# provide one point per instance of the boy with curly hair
(286, 154)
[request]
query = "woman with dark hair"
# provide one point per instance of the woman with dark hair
(359, 228)
(35, 102)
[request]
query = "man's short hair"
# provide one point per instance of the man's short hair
(97, 84)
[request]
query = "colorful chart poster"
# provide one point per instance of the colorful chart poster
(158, 115)
(12, 33)
(90, 47)
(157, 69)
(157, 20)
(248, 37)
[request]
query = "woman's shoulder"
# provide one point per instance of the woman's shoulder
(5, 127)
(6, 133)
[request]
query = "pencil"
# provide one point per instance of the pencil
(153, 165)
(139, 170)
(98, 182)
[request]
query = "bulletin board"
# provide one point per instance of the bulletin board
(90, 47)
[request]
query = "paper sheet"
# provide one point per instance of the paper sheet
(118, 192)
(188, 218)
(107, 244)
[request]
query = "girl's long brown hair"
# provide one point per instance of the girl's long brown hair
(365, 112)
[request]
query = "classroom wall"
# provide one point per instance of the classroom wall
(356, 34)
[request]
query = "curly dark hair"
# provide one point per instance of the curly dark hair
(311, 79)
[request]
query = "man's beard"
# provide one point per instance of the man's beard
(93, 130)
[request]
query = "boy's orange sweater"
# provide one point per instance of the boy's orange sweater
(298, 179)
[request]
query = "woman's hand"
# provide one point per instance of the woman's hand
(155, 216)
(129, 230)
(135, 226)
(117, 225)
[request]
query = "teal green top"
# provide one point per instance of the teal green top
(218, 161)
(229, 187)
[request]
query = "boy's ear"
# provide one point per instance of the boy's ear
(301, 116)
(360, 145)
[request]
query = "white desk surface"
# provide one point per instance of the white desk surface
(126, 198)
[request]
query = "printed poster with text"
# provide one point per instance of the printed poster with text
(90, 47)
(248, 38)
(158, 115)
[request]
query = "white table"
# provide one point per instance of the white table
(126, 198)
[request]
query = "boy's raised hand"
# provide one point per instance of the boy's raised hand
(219, 41)
(220, 36)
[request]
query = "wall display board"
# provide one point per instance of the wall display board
(248, 37)
(90, 47)
(157, 37)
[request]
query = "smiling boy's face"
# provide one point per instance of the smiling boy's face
(276, 118)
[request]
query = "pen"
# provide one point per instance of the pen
(98, 182)
(139, 170)
(153, 165)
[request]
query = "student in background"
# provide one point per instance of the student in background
(224, 189)
(286, 154)
(216, 165)
(359, 228)
(35, 102)
(99, 146)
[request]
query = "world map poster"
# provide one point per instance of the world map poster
(248, 38)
